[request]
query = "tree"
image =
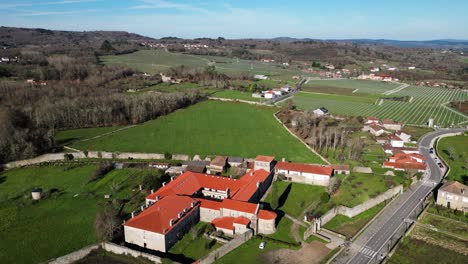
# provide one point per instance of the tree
(105, 223)
(107, 46)
(274, 203)
(451, 152)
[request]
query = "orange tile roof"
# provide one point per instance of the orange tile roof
(250, 180)
(395, 137)
(209, 204)
(266, 215)
(241, 206)
(316, 169)
(224, 222)
(241, 220)
(455, 188)
(156, 218)
(416, 165)
(265, 158)
(376, 127)
(340, 167)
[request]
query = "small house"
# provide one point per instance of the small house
(322, 111)
(453, 195)
(235, 161)
(217, 165)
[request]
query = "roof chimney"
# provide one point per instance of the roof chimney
(142, 207)
(164, 183)
(157, 198)
(171, 222)
(179, 215)
(258, 184)
(192, 204)
(152, 190)
(133, 214)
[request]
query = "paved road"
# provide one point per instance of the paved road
(391, 221)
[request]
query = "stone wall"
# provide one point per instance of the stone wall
(107, 246)
(74, 256)
(233, 244)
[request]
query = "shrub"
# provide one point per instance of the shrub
(325, 197)
(102, 169)
(167, 156)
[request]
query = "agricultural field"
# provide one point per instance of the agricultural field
(435, 239)
(424, 103)
(209, 128)
(454, 150)
(154, 61)
(362, 86)
(63, 221)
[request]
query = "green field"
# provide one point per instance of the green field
(294, 198)
(62, 222)
(424, 103)
(194, 248)
(351, 226)
(153, 61)
(458, 145)
(334, 97)
(209, 128)
(249, 253)
(233, 94)
(67, 136)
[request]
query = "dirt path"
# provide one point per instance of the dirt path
(313, 252)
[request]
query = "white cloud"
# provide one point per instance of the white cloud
(161, 4)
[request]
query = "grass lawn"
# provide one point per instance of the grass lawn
(283, 231)
(351, 226)
(209, 128)
(34, 232)
(411, 250)
(446, 224)
(193, 248)
(457, 162)
(294, 198)
(311, 238)
(67, 136)
(233, 94)
(249, 253)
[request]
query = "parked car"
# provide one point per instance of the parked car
(262, 245)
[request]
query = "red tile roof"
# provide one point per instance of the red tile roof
(219, 161)
(376, 127)
(250, 180)
(316, 169)
(418, 166)
(156, 218)
(340, 167)
(395, 138)
(241, 206)
(227, 222)
(209, 204)
(266, 215)
(265, 158)
(241, 220)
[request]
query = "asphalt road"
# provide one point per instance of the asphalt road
(370, 252)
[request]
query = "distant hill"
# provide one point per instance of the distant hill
(10, 36)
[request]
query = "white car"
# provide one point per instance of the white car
(262, 245)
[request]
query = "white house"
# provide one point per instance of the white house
(269, 95)
(405, 137)
(396, 142)
(260, 77)
(411, 68)
(391, 125)
(305, 173)
(374, 129)
(374, 70)
(371, 120)
(322, 111)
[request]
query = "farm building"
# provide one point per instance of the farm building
(230, 205)
(391, 125)
(305, 173)
(374, 129)
(405, 137)
(371, 120)
(235, 161)
(341, 169)
(217, 165)
(264, 163)
(453, 195)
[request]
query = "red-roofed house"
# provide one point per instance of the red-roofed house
(402, 162)
(391, 125)
(374, 129)
(372, 120)
(405, 137)
(193, 197)
(305, 173)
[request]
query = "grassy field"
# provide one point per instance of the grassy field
(249, 253)
(233, 94)
(209, 128)
(294, 198)
(67, 136)
(34, 232)
(457, 162)
(283, 231)
(425, 103)
(351, 226)
(103, 257)
(334, 97)
(153, 61)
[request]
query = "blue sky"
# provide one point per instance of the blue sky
(323, 19)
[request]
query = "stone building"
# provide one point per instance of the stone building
(264, 163)
(453, 195)
(231, 205)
